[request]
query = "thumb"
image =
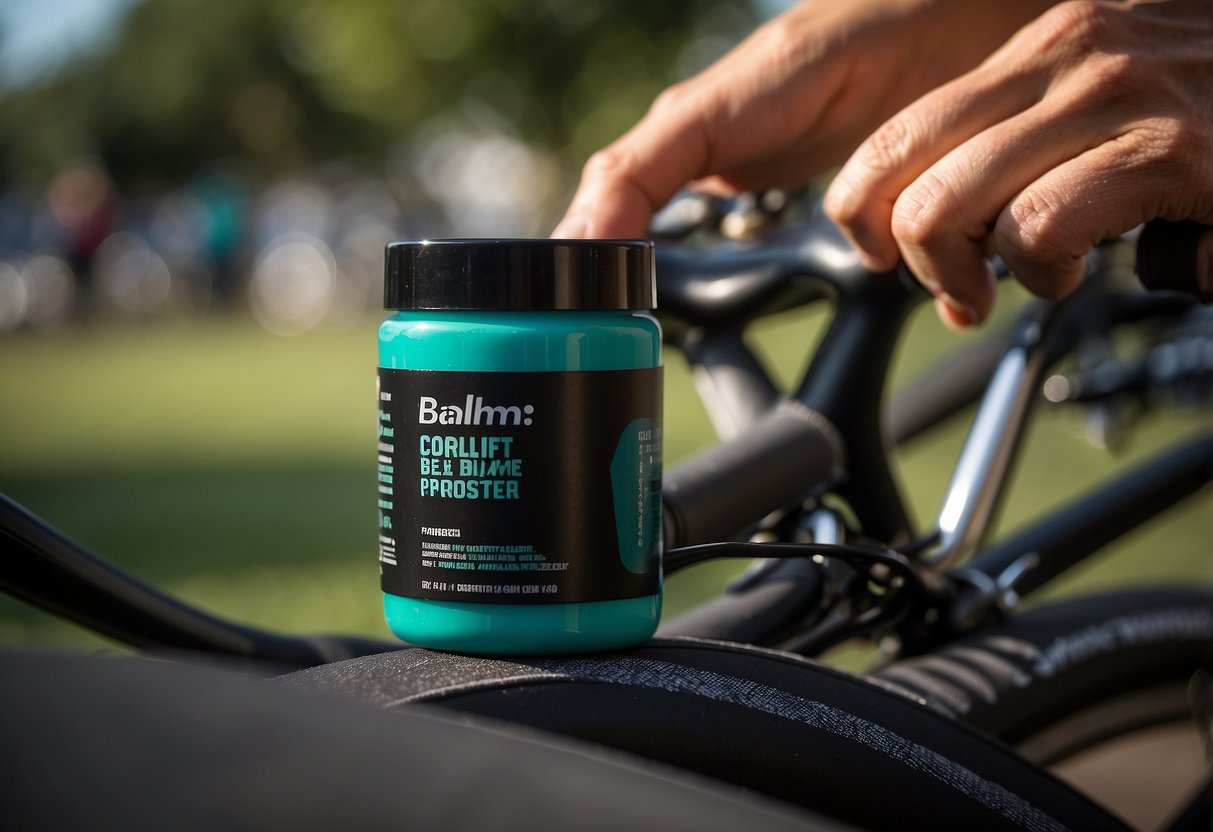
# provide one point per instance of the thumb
(623, 185)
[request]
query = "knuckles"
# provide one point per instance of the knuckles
(609, 164)
(842, 203)
(885, 150)
(1179, 148)
(673, 99)
(1072, 30)
(851, 196)
(601, 163)
(925, 214)
(1041, 244)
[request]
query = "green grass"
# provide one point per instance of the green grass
(235, 468)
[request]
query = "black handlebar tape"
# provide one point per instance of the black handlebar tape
(1168, 257)
(782, 457)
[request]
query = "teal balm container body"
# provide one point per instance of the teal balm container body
(519, 445)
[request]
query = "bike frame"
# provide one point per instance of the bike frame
(826, 434)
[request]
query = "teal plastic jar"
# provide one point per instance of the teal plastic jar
(520, 445)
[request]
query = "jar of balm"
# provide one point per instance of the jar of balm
(519, 450)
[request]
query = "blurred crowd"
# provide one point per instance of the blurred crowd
(299, 253)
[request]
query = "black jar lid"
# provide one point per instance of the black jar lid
(519, 274)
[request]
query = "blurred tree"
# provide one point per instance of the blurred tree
(285, 83)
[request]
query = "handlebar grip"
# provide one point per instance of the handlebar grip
(1169, 257)
(779, 459)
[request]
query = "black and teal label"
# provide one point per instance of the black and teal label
(520, 487)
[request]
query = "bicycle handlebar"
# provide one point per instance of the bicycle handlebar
(1169, 254)
(732, 283)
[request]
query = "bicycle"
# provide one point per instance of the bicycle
(724, 718)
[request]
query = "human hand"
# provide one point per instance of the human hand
(792, 100)
(1091, 120)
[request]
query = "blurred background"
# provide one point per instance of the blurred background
(194, 199)
(165, 158)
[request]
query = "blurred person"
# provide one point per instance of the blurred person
(82, 209)
(224, 195)
(1022, 128)
(16, 220)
